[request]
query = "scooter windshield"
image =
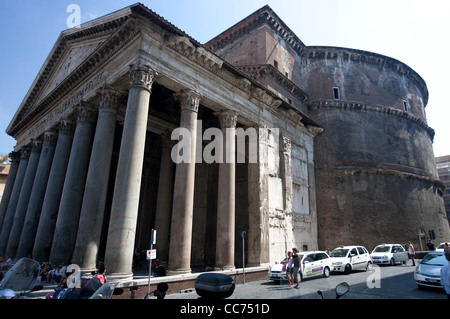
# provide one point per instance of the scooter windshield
(22, 276)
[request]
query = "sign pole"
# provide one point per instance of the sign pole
(153, 241)
(243, 256)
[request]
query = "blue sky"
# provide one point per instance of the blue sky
(414, 32)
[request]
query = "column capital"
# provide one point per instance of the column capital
(141, 76)
(36, 146)
(227, 118)
(85, 112)
(50, 137)
(15, 157)
(109, 97)
(189, 100)
(25, 153)
(66, 126)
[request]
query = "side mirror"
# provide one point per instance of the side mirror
(341, 289)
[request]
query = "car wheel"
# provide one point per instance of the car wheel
(326, 272)
(392, 262)
(369, 266)
(347, 269)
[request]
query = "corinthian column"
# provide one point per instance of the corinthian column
(124, 213)
(72, 196)
(15, 159)
(226, 193)
(49, 212)
(22, 205)
(92, 210)
(37, 195)
(162, 219)
(9, 216)
(183, 197)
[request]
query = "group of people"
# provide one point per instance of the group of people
(59, 274)
(293, 269)
(51, 274)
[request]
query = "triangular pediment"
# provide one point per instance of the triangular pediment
(73, 56)
(72, 49)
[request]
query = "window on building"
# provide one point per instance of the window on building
(275, 63)
(405, 106)
(336, 94)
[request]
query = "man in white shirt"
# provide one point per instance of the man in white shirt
(445, 274)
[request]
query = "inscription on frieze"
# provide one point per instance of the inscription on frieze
(60, 111)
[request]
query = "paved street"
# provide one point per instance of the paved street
(385, 282)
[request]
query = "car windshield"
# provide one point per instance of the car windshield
(339, 252)
(434, 259)
(381, 249)
(441, 246)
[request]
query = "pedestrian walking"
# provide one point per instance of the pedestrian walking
(411, 253)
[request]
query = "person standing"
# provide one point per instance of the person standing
(430, 245)
(289, 269)
(296, 266)
(101, 273)
(411, 252)
(445, 274)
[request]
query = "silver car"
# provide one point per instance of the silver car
(428, 271)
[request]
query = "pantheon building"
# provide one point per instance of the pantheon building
(333, 148)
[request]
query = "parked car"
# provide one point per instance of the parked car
(313, 263)
(348, 258)
(440, 247)
(428, 271)
(278, 271)
(389, 254)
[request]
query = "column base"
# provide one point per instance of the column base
(178, 271)
(119, 277)
(224, 268)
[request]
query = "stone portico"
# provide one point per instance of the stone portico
(96, 170)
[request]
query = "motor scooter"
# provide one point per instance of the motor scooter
(20, 280)
(340, 290)
(85, 288)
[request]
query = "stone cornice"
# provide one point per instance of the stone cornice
(267, 70)
(127, 29)
(199, 55)
(354, 106)
(383, 171)
(313, 53)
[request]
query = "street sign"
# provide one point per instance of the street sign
(151, 254)
(153, 233)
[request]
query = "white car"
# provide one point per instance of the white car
(348, 258)
(440, 247)
(313, 263)
(389, 254)
(278, 272)
(428, 271)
